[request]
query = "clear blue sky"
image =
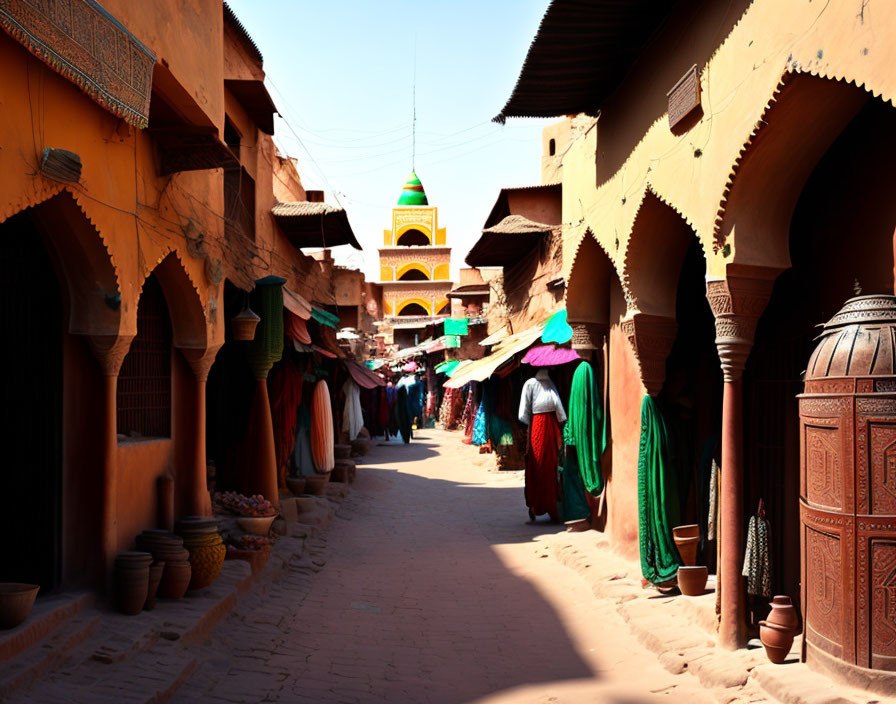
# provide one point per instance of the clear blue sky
(342, 75)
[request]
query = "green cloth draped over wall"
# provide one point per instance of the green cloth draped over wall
(658, 505)
(586, 428)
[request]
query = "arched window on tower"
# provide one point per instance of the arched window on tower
(413, 275)
(413, 309)
(412, 238)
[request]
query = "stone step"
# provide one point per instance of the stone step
(46, 616)
(50, 653)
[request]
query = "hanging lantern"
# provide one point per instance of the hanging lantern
(244, 324)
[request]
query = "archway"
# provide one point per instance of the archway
(672, 331)
(31, 304)
(413, 309)
(413, 238)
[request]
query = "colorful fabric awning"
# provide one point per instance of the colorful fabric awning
(362, 376)
(295, 328)
(556, 329)
(324, 317)
(456, 326)
(409, 367)
(495, 337)
(296, 304)
(550, 355)
(483, 368)
(447, 366)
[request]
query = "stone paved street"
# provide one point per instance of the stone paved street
(430, 587)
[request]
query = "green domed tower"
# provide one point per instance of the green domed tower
(412, 193)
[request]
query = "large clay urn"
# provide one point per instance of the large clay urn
(779, 629)
(848, 495)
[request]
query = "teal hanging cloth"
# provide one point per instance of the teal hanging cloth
(658, 508)
(574, 504)
(586, 428)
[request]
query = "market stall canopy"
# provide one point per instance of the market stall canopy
(296, 304)
(507, 242)
(375, 363)
(311, 224)
(495, 337)
(483, 368)
(409, 367)
(309, 349)
(550, 355)
(469, 291)
(362, 376)
(295, 329)
(581, 53)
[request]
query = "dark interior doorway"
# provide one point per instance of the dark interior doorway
(31, 417)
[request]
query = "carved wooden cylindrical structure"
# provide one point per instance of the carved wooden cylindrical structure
(848, 494)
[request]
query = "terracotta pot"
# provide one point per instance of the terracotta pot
(687, 549)
(777, 641)
(156, 569)
(16, 602)
(257, 525)
(339, 473)
(360, 447)
(316, 484)
(692, 580)
(342, 451)
(206, 558)
(783, 614)
(296, 485)
(175, 579)
(131, 588)
(257, 559)
(689, 531)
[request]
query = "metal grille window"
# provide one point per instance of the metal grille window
(144, 383)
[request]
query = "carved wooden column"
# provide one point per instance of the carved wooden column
(651, 338)
(110, 351)
(737, 303)
(200, 361)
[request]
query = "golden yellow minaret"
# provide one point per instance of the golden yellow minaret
(415, 261)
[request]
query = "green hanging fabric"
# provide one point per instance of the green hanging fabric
(658, 507)
(267, 347)
(586, 427)
(573, 506)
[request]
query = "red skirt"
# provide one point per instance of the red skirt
(541, 464)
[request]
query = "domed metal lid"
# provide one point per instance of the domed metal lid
(859, 341)
(864, 309)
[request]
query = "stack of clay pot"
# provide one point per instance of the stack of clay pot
(360, 447)
(342, 452)
(296, 485)
(779, 629)
(207, 550)
(344, 471)
(168, 548)
(132, 581)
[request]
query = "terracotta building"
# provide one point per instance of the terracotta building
(733, 193)
(137, 209)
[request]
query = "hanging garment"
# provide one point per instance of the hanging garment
(658, 507)
(402, 413)
(469, 411)
(382, 412)
(540, 396)
(573, 504)
(713, 517)
(757, 563)
(285, 392)
(479, 437)
(352, 415)
(541, 464)
(301, 458)
(587, 428)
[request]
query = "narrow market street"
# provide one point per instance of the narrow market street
(434, 589)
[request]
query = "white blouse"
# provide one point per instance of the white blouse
(540, 396)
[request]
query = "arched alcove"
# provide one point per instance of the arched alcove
(413, 238)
